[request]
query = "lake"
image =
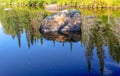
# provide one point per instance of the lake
(24, 51)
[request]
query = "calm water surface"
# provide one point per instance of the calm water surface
(24, 51)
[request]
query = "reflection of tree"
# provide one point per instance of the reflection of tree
(114, 50)
(89, 57)
(114, 41)
(98, 37)
(115, 54)
(15, 22)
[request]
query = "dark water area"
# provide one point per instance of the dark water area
(24, 51)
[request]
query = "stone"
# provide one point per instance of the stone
(64, 21)
(7, 9)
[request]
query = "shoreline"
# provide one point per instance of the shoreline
(55, 6)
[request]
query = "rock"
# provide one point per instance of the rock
(62, 37)
(54, 7)
(7, 9)
(67, 20)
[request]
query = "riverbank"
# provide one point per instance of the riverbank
(68, 3)
(57, 7)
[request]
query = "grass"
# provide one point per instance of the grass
(74, 3)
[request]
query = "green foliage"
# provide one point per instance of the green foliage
(85, 3)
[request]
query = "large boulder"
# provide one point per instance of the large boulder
(64, 21)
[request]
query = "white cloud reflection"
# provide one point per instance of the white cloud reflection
(0, 28)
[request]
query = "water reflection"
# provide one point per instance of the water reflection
(97, 32)
(63, 37)
(0, 27)
(99, 37)
(18, 21)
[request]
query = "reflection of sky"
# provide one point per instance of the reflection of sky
(0, 27)
(40, 60)
(1, 34)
